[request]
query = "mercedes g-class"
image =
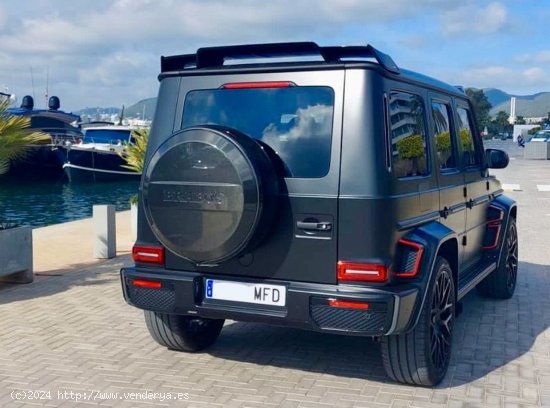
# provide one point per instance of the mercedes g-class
(322, 188)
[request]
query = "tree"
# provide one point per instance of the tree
(16, 139)
(520, 120)
(481, 106)
(501, 120)
(134, 154)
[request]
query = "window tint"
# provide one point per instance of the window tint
(467, 145)
(296, 122)
(408, 135)
(442, 136)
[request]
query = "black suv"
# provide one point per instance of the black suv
(322, 188)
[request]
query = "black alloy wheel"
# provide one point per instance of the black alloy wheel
(442, 319)
(512, 257)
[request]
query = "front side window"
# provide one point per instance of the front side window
(467, 144)
(442, 136)
(295, 122)
(408, 135)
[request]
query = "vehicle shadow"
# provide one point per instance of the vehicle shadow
(57, 281)
(489, 334)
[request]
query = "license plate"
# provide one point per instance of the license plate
(259, 293)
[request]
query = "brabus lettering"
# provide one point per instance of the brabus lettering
(197, 197)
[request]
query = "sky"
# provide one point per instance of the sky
(107, 52)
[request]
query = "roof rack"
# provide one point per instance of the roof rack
(212, 57)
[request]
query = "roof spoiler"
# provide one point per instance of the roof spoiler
(214, 57)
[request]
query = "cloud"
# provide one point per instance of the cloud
(505, 77)
(107, 52)
(2, 18)
(534, 74)
(540, 57)
(470, 19)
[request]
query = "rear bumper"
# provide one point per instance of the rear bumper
(390, 310)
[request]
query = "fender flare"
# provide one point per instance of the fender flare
(509, 208)
(431, 236)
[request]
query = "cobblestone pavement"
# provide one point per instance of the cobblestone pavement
(74, 332)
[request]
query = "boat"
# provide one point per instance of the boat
(42, 160)
(99, 156)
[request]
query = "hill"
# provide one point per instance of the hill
(536, 105)
(97, 111)
(144, 109)
(496, 96)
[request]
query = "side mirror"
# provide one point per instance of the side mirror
(496, 159)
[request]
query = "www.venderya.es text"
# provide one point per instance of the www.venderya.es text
(96, 395)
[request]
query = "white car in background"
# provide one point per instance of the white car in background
(541, 136)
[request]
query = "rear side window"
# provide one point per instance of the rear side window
(296, 122)
(469, 156)
(408, 135)
(442, 136)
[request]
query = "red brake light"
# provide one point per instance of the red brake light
(143, 283)
(419, 250)
(148, 254)
(252, 85)
(349, 271)
(348, 304)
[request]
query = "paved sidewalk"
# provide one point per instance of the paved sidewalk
(63, 247)
(74, 332)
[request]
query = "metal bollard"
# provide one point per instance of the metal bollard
(104, 231)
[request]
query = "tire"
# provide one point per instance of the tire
(501, 283)
(182, 333)
(210, 193)
(408, 357)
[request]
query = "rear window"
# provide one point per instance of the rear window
(296, 122)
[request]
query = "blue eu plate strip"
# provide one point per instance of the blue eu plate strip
(209, 287)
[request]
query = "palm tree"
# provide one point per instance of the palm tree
(134, 153)
(15, 139)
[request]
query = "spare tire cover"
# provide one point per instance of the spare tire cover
(206, 192)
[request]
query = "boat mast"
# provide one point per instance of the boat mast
(32, 83)
(47, 83)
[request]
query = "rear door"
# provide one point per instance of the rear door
(452, 201)
(476, 184)
(299, 116)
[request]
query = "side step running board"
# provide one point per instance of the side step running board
(473, 276)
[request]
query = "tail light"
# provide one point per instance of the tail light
(409, 257)
(362, 272)
(148, 254)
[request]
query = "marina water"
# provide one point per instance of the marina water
(41, 203)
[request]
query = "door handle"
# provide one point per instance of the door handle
(445, 212)
(314, 226)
